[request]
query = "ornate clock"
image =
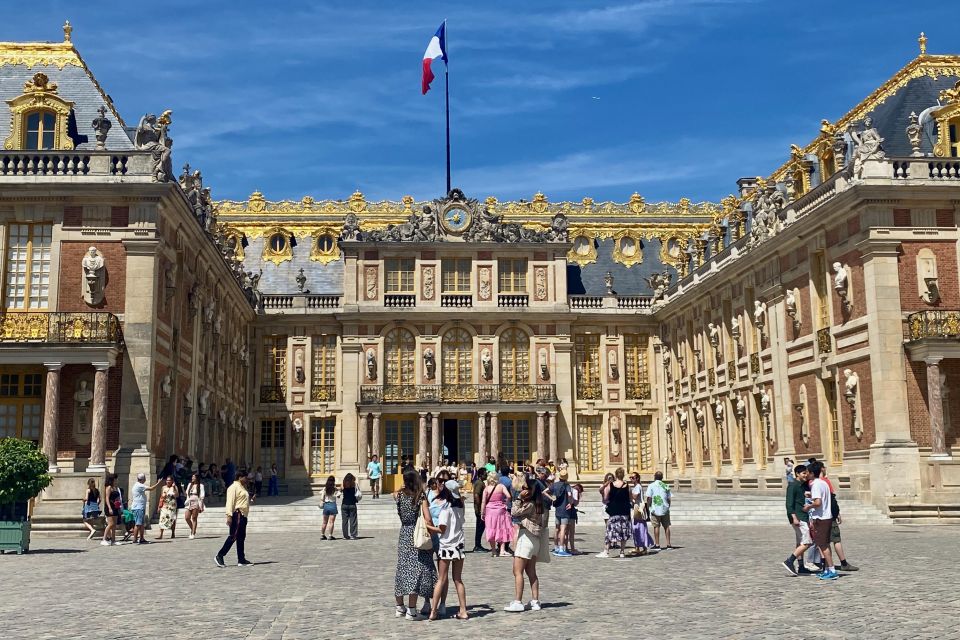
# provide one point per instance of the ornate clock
(456, 219)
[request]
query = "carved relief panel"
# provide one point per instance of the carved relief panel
(370, 282)
(428, 282)
(485, 283)
(540, 288)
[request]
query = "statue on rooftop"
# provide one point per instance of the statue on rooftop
(351, 228)
(868, 146)
(152, 136)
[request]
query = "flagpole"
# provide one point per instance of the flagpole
(446, 86)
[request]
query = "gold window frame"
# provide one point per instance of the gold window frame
(622, 258)
(582, 259)
(324, 256)
(39, 94)
(514, 357)
(284, 253)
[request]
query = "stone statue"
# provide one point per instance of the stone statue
(852, 380)
(913, 134)
(735, 328)
(868, 145)
(203, 401)
(218, 323)
(759, 314)
(209, 310)
(667, 422)
(301, 281)
(166, 385)
(101, 127)
(94, 276)
(659, 282)
(243, 353)
(841, 284)
(615, 436)
(152, 136)
(790, 303)
(740, 410)
(429, 363)
(298, 437)
(371, 364)
(82, 397)
(486, 362)
(718, 411)
(699, 417)
(764, 403)
(608, 282)
(544, 365)
(682, 419)
(298, 374)
(251, 289)
(351, 228)
(714, 331)
(558, 229)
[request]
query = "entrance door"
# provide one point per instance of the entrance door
(273, 440)
(450, 448)
(397, 446)
(21, 405)
(458, 440)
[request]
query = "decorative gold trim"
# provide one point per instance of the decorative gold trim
(624, 259)
(950, 98)
(44, 54)
(590, 256)
(284, 254)
(38, 94)
(319, 255)
(234, 234)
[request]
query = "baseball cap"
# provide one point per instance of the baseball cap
(453, 487)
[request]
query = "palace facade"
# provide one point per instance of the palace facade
(815, 312)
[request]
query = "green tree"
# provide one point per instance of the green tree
(23, 471)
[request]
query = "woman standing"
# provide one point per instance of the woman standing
(274, 488)
(168, 508)
(351, 498)
(617, 497)
(416, 575)
(449, 526)
(112, 509)
(607, 479)
(330, 497)
(196, 494)
(533, 544)
(91, 506)
(496, 518)
(641, 535)
(258, 482)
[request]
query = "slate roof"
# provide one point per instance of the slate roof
(627, 281)
(892, 116)
(282, 279)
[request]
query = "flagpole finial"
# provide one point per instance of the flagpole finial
(922, 40)
(67, 31)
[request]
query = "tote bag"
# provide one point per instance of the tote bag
(421, 537)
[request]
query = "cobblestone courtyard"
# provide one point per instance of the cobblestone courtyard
(722, 582)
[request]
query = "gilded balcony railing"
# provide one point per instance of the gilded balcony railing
(824, 340)
(458, 393)
(638, 391)
(588, 391)
(934, 324)
(56, 327)
(323, 393)
(272, 393)
(754, 364)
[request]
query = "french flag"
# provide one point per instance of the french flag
(436, 49)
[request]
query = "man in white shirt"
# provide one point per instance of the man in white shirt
(819, 509)
(374, 471)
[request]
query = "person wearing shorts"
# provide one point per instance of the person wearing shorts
(374, 471)
(799, 519)
(658, 505)
(820, 512)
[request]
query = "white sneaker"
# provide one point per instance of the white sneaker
(191, 536)
(516, 606)
(602, 554)
(534, 605)
(400, 611)
(104, 543)
(412, 614)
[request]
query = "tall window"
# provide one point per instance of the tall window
(322, 449)
(514, 357)
(21, 407)
(590, 441)
(400, 275)
(954, 137)
(515, 439)
(820, 277)
(456, 275)
(587, 353)
(40, 130)
(635, 365)
(274, 362)
(399, 356)
(273, 435)
(513, 275)
(398, 444)
(28, 265)
(457, 357)
(324, 362)
(836, 436)
(639, 444)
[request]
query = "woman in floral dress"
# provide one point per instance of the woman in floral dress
(416, 574)
(168, 508)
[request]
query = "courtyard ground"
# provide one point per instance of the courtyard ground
(722, 582)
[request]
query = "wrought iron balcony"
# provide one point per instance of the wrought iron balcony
(824, 340)
(638, 391)
(458, 393)
(55, 327)
(323, 393)
(934, 324)
(272, 393)
(587, 391)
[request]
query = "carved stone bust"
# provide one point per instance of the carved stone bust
(94, 273)
(371, 364)
(429, 363)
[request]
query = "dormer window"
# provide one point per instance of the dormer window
(278, 246)
(325, 248)
(41, 127)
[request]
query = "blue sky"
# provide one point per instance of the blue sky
(670, 98)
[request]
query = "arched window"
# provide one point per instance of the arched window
(41, 127)
(514, 357)
(399, 353)
(457, 357)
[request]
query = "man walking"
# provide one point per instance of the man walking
(138, 505)
(374, 471)
(799, 519)
(237, 509)
(478, 486)
(658, 504)
(563, 503)
(819, 510)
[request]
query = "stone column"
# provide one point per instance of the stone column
(552, 417)
(482, 438)
(541, 434)
(435, 440)
(422, 440)
(98, 429)
(51, 417)
(375, 437)
(938, 442)
(363, 428)
(494, 435)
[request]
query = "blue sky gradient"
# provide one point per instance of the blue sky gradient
(670, 98)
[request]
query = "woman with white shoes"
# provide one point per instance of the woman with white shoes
(196, 494)
(533, 544)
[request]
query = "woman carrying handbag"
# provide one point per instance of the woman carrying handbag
(416, 574)
(196, 494)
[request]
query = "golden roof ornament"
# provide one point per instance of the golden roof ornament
(357, 202)
(407, 203)
(39, 83)
(922, 40)
(636, 204)
(490, 202)
(67, 31)
(539, 203)
(588, 204)
(684, 206)
(949, 96)
(256, 203)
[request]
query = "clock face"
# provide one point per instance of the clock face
(456, 220)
